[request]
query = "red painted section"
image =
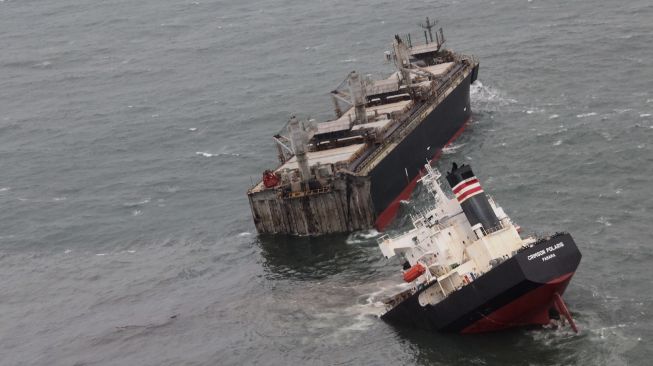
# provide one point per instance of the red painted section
(469, 193)
(386, 217)
(414, 272)
(531, 308)
(562, 309)
(270, 179)
(460, 186)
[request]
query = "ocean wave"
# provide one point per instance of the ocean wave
(583, 115)
(211, 155)
(488, 98)
(534, 110)
(362, 236)
(450, 149)
(137, 203)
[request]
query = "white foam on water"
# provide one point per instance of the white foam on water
(370, 234)
(137, 203)
(557, 143)
(211, 155)
(4, 189)
(534, 110)
(450, 149)
(645, 115)
(553, 116)
(583, 115)
(244, 234)
(192, 129)
(362, 315)
(362, 236)
(487, 96)
(603, 220)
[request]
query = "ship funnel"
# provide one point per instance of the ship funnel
(471, 197)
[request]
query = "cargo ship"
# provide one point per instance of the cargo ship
(351, 172)
(468, 270)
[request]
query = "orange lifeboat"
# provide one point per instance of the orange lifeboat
(414, 272)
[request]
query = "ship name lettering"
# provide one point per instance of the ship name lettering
(552, 255)
(536, 254)
(549, 249)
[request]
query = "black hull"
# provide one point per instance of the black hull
(369, 198)
(395, 176)
(517, 292)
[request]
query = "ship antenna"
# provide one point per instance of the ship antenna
(428, 26)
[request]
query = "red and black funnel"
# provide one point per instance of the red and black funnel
(471, 197)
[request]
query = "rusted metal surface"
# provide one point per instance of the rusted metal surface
(324, 178)
(344, 207)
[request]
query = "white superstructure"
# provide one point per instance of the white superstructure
(444, 247)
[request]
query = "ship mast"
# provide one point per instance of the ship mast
(402, 62)
(428, 26)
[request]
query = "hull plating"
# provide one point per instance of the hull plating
(517, 292)
(394, 178)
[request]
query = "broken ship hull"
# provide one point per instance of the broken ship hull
(370, 197)
(395, 177)
(518, 292)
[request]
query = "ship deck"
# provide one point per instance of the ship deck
(324, 157)
(344, 154)
(344, 122)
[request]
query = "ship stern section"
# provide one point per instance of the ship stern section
(517, 292)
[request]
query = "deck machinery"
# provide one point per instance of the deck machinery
(351, 172)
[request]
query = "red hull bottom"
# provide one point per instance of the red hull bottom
(385, 218)
(531, 308)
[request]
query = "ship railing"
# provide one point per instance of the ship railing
(493, 229)
(384, 238)
(434, 98)
(309, 192)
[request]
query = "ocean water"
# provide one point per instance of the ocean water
(130, 132)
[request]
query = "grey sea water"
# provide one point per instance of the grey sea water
(129, 132)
